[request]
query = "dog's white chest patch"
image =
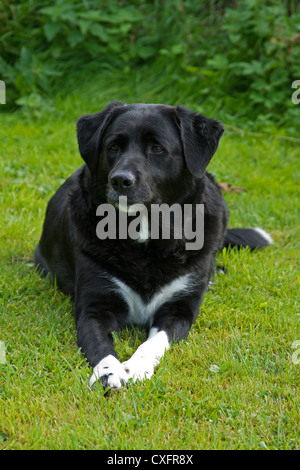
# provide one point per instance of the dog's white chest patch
(141, 313)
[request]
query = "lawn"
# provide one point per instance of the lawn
(233, 384)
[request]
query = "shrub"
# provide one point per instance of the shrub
(239, 56)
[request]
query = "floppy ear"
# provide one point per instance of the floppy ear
(90, 129)
(200, 138)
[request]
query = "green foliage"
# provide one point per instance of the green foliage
(259, 53)
(241, 56)
(246, 61)
(43, 41)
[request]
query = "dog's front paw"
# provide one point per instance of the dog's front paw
(139, 368)
(111, 373)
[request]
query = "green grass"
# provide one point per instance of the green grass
(231, 385)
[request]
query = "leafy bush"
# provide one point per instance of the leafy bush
(43, 41)
(253, 60)
(239, 56)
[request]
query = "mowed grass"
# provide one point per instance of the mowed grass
(233, 384)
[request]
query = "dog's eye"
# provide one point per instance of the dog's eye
(114, 148)
(157, 149)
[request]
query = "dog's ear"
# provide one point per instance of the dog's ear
(90, 129)
(200, 138)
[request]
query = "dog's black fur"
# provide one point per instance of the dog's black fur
(151, 154)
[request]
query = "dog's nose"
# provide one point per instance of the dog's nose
(122, 180)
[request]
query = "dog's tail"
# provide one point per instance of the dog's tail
(247, 237)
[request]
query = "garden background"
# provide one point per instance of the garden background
(234, 383)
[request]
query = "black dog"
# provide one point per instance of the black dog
(152, 154)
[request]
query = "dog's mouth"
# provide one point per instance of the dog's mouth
(129, 209)
(128, 202)
(125, 205)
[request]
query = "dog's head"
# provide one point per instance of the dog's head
(147, 152)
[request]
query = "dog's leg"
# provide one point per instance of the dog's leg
(171, 324)
(40, 262)
(141, 364)
(99, 311)
(94, 336)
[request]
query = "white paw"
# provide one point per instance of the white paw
(139, 368)
(111, 373)
(141, 365)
